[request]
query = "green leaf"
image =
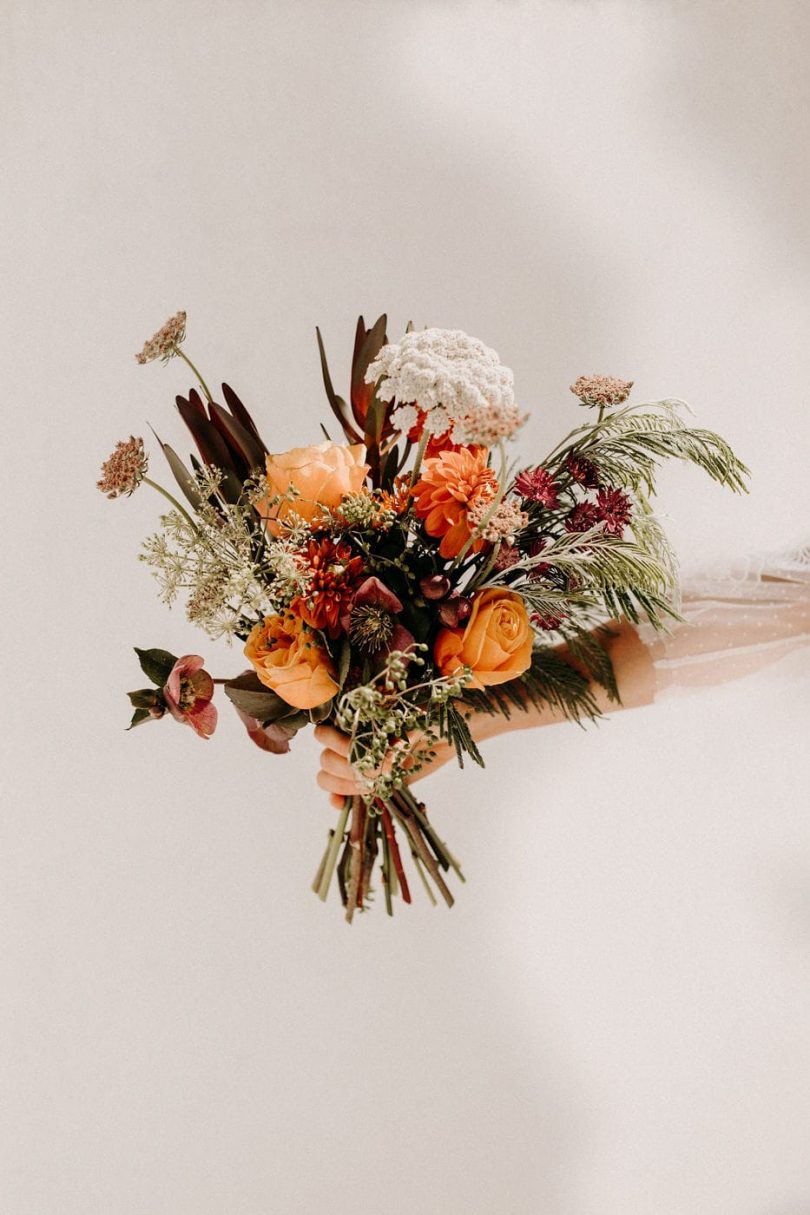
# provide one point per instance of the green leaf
(145, 698)
(181, 474)
(344, 659)
(375, 420)
(156, 664)
(250, 695)
(337, 404)
(139, 717)
(297, 719)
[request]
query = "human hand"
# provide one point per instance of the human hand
(339, 778)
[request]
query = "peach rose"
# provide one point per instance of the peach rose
(289, 658)
(323, 474)
(495, 642)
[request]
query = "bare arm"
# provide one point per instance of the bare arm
(635, 677)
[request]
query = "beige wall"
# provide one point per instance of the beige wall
(613, 1020)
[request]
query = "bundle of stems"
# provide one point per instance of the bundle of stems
(367, 829)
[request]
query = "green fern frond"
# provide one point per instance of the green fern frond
(549, 600)
(631, 457)
(552, 680)
(628, 444)
(586, 648)
(651, 537)
(453, 726)
(600, 562)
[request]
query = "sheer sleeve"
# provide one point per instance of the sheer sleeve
(737, 621)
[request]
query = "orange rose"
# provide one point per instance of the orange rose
(322, 474)
(496, 641)
(289, 659)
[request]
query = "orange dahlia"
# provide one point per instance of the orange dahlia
(450, 484)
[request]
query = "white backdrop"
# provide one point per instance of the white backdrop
(614, 1017)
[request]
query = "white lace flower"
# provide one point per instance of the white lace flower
(407, 416)
(454, 379)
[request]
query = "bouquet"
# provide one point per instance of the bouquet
(396, 581)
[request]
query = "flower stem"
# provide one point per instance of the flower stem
(405, 816)
(484, 573)
(170, 498)
(420, 451)
(335, 841)
(356, 841)
(391, 838)
(203, 384)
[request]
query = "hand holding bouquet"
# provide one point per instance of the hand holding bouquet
(393, 584)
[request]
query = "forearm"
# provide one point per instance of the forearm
(635, 679)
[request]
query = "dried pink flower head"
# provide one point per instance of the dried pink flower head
(604, 391)
(506, 521)
(508, 556)
(164, 343)
(125, 469)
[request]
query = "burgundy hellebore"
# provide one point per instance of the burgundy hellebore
(372, 622)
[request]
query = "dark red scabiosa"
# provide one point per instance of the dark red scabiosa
(582, 471)
(614, 509)
(537, 485)
(188, 692)
(373, 620)
(336, 574)
(582, 518)
(534, 549)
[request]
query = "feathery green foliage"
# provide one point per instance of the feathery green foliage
(453, 726)
(627, 446)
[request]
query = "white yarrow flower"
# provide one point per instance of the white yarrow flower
(454, 379)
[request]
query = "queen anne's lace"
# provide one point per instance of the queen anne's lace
(456, 381)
